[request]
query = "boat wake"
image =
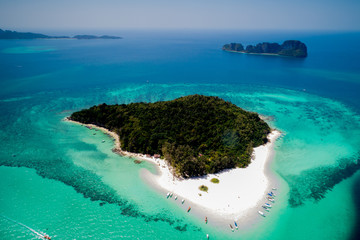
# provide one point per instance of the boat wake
(39, 234)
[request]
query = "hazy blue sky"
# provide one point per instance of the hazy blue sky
(206, 14)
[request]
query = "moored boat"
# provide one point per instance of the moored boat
(189, 209)
(231, 227)
(268, 205)
(261, 213)
(236, 225)
(182, 201)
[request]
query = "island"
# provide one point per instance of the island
(95, 37)
(290, 48)
(196, 134)
(210, 154)
(7, 34)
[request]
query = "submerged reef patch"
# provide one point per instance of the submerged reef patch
(90, 186)
(313, 184)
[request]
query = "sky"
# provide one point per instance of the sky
(337, 15)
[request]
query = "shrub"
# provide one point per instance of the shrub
(215, 180)
(203, 188)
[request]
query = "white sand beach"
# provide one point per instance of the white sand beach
(239, 190)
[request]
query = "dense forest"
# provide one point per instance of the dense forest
(196, 134)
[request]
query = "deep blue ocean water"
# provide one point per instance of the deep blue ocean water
(59, 178)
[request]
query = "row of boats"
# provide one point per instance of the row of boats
(170, 195)
(267, 206)
(236, 226)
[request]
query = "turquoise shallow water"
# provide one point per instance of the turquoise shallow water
(60, 178)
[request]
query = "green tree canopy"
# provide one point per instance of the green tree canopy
(197, 134)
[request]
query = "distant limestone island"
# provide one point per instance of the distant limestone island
(290, 48)
(196, 134)
(95, 37)
(7, 34)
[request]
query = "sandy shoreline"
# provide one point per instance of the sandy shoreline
(240, 193)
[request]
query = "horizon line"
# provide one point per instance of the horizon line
(27, 29)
